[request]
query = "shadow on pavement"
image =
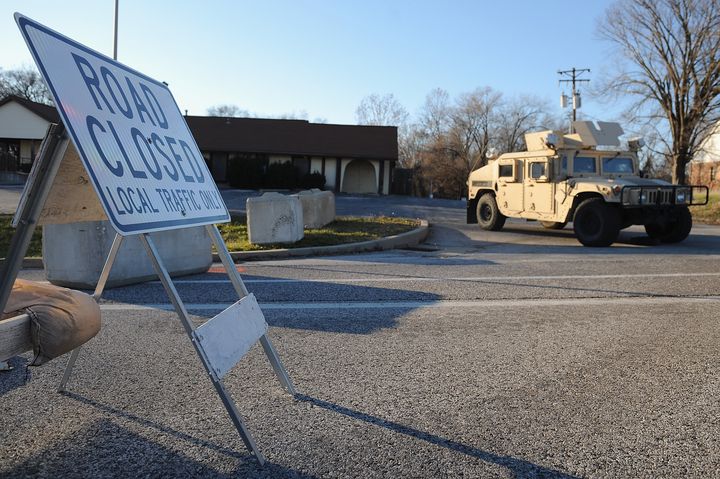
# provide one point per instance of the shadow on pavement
(628, 242)
(324, 318)
(93, 452)
(17, 377)
(518, 467)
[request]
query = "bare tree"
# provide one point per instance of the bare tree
(518, 116)
(435, 115)
(672, 67)
(228, 111)
(379, 110)
(25, 83)
(457, 137)
(474, 124)
(411, 144)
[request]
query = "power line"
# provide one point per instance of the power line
(573, 78)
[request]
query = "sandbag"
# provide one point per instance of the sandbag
(61, 319)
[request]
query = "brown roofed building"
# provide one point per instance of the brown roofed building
(352, 159)
(243, 152)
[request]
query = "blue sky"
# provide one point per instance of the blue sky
(321, 57)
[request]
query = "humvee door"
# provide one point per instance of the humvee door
(539, 190)
(510, 187)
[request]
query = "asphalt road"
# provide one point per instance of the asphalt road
(511, 354)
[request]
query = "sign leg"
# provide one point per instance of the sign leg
(33, 199)
(99, 288)
(242, 291)
(187, 324)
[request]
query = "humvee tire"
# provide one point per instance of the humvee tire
(674, 231)
(488, 214)
(595, 223)
(553, 225)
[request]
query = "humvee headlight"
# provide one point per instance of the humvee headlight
(631, 196)
(681, 197)
(616, 189)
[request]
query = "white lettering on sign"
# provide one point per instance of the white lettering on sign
(135, 144)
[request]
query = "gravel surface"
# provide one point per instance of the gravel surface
(512, 381)
(511, 354)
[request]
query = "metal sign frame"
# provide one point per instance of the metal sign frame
(36, 191)
(78, 93)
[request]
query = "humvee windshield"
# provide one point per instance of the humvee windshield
(584, 164)
(617, 165)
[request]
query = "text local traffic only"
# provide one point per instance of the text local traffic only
(161, 156)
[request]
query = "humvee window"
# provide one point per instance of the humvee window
(506, 171)
(617, 165)
(537, 170)
(563, 165)
(584, 164)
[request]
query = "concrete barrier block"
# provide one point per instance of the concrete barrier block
(274, 218)
(318, 207)
(74, 254)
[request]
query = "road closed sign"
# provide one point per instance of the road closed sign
(135, 144)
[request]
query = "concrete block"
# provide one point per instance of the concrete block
(318, 207)
(74, 254)
(274, 218)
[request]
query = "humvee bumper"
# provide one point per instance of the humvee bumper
(670, 195)
(472, 211)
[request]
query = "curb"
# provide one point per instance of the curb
(411, 238)
(33, 262)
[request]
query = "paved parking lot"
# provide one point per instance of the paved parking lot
(510, 354)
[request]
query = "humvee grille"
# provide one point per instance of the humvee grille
(664, 195)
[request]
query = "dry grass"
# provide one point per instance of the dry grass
(710, 213)
(342, 230)
(6, 234)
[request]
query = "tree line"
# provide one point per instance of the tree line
(667, 69)
(450, 137)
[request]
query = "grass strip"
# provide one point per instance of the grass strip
(341, 231)
(710, 213)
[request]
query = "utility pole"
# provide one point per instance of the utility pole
(574, 79)
(116, 31)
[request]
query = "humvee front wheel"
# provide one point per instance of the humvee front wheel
(672, 231)
(553, 225)
(595, 223)
(488, 214)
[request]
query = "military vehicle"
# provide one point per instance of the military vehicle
(583, 178)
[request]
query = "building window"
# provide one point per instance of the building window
(219, 166)
(302, 165)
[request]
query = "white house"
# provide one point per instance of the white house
(23, 125)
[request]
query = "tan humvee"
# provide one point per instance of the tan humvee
(566, 177)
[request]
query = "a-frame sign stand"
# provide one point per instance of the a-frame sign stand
(148, 177)
(27, 217)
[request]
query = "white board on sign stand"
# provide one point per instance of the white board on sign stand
(137, 164)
